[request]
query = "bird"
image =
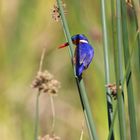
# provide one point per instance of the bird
(83, 54)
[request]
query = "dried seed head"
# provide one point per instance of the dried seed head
(49, 137)
(45, 82)
(129, 3)
(113, 89)
(56, 12)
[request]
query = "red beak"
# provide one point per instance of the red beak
(63, 45)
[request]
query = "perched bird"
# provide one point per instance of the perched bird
(83, 55)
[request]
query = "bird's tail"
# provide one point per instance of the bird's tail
(79, 70)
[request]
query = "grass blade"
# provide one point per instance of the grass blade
(137, 29)
(119, 73)
(106, 61)
(131, 107)
(112, 123)
(37, 116)
(116, 106)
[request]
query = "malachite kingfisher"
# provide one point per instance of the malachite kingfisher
(83, 55)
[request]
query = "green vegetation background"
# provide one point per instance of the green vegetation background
(26, 26)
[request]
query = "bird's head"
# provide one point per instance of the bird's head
(76, 39)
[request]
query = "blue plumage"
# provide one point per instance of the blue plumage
(84, 53)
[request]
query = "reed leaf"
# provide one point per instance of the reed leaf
(37, 116)
(106, 64)
(137, 30)
(119, 72)
(116, 42)
(130, 94)
(112, 123)
(116, 106)
(80, 83)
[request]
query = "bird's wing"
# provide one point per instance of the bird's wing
(82, 55)
(88, 59)
(82, 58)
(86, 53)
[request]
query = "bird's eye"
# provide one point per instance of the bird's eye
(75, 42)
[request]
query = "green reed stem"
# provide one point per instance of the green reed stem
(53, 113)
(130, 94)
(119, 73)
(106, 62)
(112, 123)
(36, 116)
(137, 30)
(80, 83)
(116, 107)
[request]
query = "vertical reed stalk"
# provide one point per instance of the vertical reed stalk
(36, 116)
(119, 73)
(131, 106)
(113, 19)
(116, 106)
(106, 64)
(42, 59)
(53, 113)
(86, 109)
(37, 98)
(80, 83)
(112, 123)
(137, 30)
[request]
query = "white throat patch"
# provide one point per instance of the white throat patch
(83, 41)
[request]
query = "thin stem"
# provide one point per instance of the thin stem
(123, 82)
(116, 106)
(131, 107)
(119, 73)
(42, 59)
(82, 131)
(53, 113)
(137, 30)
(36, 116)
(86, 109)
(106, 64)
(112, 123)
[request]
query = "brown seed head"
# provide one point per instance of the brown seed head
(113, 89)
(56, 12)
(45, 82)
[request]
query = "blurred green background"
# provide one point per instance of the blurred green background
(26, 27)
